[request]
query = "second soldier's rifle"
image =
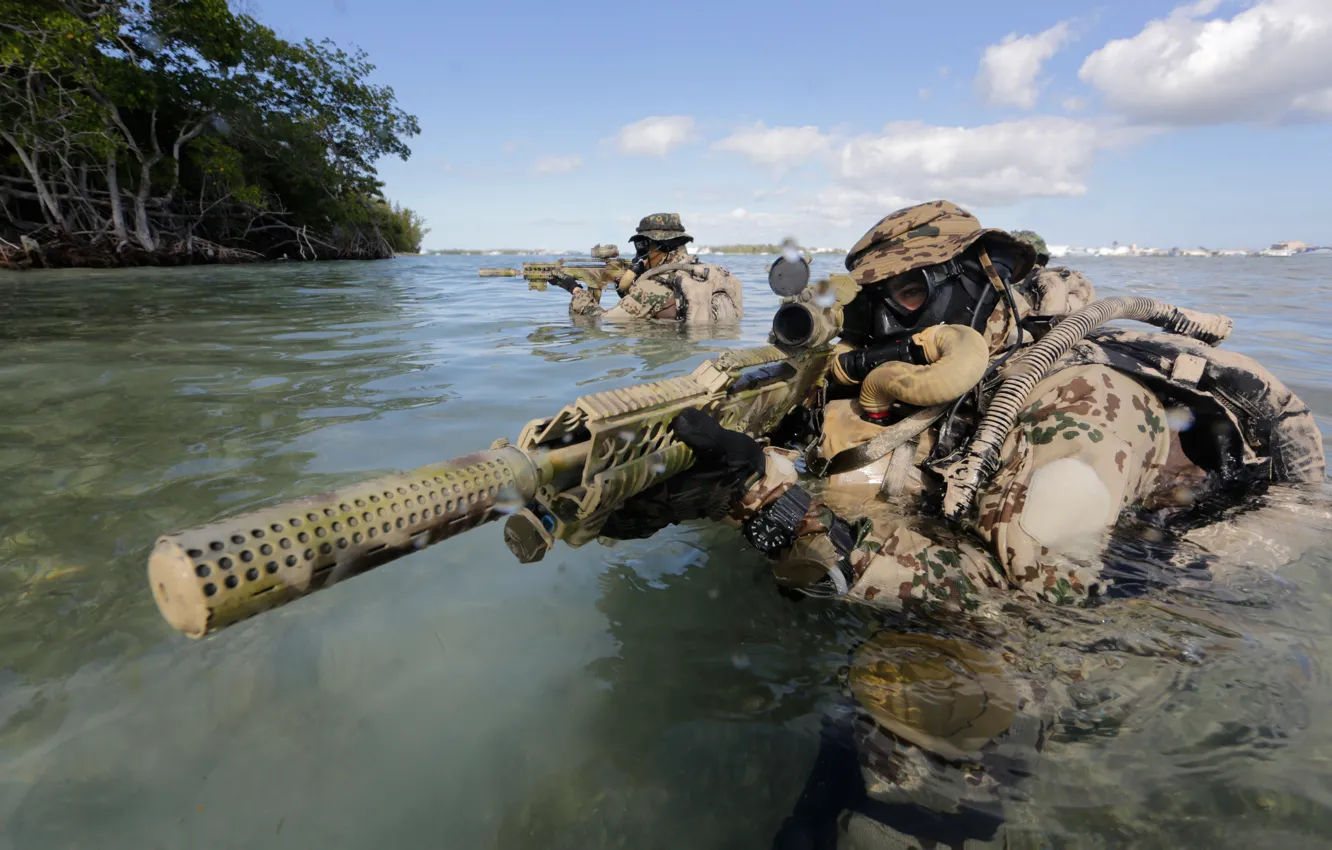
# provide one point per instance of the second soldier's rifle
(601, 269)
(563, 478)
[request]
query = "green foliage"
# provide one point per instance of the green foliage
(402, 228)
(204, 118)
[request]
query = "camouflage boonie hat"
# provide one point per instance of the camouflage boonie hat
(915, 237)
(1034, 239)
(661, 227)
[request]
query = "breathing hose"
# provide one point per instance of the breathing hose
(981, 459)
(957, 358)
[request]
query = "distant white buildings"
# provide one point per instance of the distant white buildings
(708, 249)
(1285, 249)
(1280, 249)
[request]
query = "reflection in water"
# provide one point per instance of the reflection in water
(656, 345)
(711, 673)
(657, 693)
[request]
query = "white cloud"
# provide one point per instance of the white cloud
(778, 147)
(991, 164)
(831, 216)
(843, 207)
(743, 225)
(978, 167)
(1075, 104)
(656, 135)
(1008, 70)
(1316, 102)
(764, 219)
(557, 164)
(1269, 62)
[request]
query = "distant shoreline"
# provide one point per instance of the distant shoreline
(754, 250)
(1192, 255)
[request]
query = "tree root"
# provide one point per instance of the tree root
(47, 250)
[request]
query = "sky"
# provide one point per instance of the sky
(559, 125)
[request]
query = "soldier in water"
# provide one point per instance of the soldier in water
(937, 305)
(666, 283)
(1058, 289)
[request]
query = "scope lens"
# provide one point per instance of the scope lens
(793, 324)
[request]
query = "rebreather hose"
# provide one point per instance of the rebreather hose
(981, 459)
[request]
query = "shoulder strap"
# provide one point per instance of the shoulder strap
(892, 437)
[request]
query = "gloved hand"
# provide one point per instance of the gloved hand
(724, 463)
(856, 365)
(715, 446)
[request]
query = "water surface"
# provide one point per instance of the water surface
(651, 694)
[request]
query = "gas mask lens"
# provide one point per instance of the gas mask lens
(908, 292)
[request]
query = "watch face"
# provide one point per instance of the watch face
(788, 278)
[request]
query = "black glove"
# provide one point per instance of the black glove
(568, 284)
(715, 446)
(859, 363)
(724, 463)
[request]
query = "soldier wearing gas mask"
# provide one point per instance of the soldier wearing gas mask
(935, 324)
(938, 316)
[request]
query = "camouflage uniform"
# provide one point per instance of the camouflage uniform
(1092, 442)
(586, 300)
(1056, 289)
(679, 288)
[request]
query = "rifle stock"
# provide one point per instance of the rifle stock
(561, 481)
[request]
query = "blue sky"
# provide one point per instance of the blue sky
(559, 125)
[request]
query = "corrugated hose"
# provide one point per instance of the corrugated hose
(980, 461)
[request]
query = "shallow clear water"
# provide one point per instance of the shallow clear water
(652, 694)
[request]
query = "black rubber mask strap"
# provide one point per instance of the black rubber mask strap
(940, 273)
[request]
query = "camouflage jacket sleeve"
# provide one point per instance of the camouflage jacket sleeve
(584, 303)
(889, 564)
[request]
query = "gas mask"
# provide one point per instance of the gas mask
(954, 292)
(885, 315)
(647, 254)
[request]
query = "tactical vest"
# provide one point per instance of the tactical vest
(696, 284)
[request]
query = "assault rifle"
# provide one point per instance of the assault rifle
(602, 268)
(563, 478)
